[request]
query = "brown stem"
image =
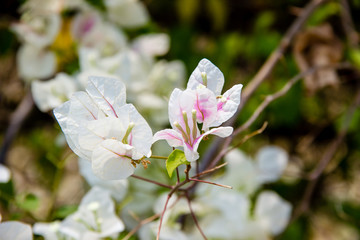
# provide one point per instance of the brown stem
(348, 25)
(269, 99)
(194, 216)
(16, 120)
(210, 170)
(140, 224)
(212, 183)
(152, 181)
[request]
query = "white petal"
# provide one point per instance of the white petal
(271, 162)
(108, 93)
(50, 231)
(50, 94)
(39, 30)
(192, 154)
(205, 106)
(5, 174)
(173, 138)
(181, 101)
(215, 78)
(141, 135)
(227, 104)
(35, 63)
(15, 230)
(129, 13)
(109, 161)
(67, 125)
(152, 44)
(272, 212)
(117, 188)
(96, 200)
(241, 173)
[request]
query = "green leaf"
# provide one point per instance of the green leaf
(65, 211)
(175, 159)
(29, 202)
(354, 55)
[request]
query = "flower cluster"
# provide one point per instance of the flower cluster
(201, 103)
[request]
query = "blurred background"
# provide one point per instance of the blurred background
(237, 36)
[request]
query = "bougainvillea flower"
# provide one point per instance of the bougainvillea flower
(206, 74)
(185, 109)
(100, 127)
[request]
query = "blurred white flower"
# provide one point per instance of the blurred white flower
(127, 13)
(152, 44)
(50, 231)
(271, 162)
(117, 188)
(5, 175)
(34, 63)
(15, 230)
(247, 175)
(51, 6)
(271, 212)
(38, 30)
(94, 219)
(52, 93)
(92, 32)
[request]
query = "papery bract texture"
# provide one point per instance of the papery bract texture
(100, 127)
(15, 230)
(94, 218)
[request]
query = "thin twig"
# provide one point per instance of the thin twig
(212, 183)
(140, 224)
(162, 216)
(194, 216)
(174, 189)
(348, 24)
(276, 55)
(269, 99)
(210, 170)
(248, 136)
(152, 181)
(16, 120)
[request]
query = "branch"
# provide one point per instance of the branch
(263, 72)
(210, 170)
(194, 216)
(268, 99)
(140, 224)
(152, 181)
(212, 183)
(276, 55)
(16, 120)
(348, 24)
